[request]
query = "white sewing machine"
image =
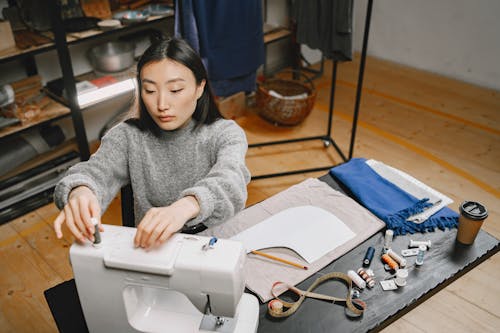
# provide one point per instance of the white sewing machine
(183, 286)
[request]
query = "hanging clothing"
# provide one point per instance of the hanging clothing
(228, 34)
(325, 25)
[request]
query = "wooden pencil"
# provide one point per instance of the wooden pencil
(259, 253)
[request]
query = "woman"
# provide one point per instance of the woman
(186, 164)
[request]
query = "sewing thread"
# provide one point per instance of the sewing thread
(356, 279)
(97, 234)
(397, 258)
(388, 239)
(368, 256)
(414, 243)
(420, 255)
(401, 275)
(389, 261)
(370, 281)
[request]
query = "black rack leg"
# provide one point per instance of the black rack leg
(332, 99)
(360, 76)
(68, 79)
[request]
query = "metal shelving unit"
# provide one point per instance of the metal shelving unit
(27, 190)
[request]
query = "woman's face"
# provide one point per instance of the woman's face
(169, 92)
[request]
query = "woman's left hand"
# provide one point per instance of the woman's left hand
(160, 223)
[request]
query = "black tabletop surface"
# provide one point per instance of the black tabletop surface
(443, 263)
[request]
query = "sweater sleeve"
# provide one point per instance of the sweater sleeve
(104, 173)
(223, 192)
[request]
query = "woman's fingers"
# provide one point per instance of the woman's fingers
(165, 235)
(95, 211)
(146, 228)
(153, 236)
(85, 216)
(158, 225)
(76, 210)
(70, 222)
(81, 207)
(58, 224)
(155, 229)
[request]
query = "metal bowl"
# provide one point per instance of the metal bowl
(131, 16)
(112, 56)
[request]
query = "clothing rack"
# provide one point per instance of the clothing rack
(327, 138)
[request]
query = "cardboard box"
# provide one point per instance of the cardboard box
(233, 106)
(6, 36)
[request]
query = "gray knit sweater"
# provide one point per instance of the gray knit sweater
(207, 162)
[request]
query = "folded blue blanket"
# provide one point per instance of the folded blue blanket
(387, 201)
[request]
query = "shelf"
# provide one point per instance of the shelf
(276, 35)
(111, 85)
(31, 184)
(13, 197)
(10, 54)
(62, 149)
(25, 206)
(76, 37)
(52, 111)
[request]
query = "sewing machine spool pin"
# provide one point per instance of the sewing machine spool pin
(97, 233)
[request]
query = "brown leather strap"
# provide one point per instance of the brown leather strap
(356, 307)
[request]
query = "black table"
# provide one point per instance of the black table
(446, 261)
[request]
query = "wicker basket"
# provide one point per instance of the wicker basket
(281, 110)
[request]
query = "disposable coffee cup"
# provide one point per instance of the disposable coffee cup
(472, 215)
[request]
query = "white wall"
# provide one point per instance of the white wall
(454, 38)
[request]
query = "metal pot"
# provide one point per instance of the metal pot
(112, 56)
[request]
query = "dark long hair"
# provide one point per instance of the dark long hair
(178, 50)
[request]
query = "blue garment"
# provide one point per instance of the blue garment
(387, 201)
(228, 34)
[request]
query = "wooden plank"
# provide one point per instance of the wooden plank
(41, 237)
(25, 275)
(480, 286)
(428, 89)
(276, 35)
(447, 312)
(53, 110)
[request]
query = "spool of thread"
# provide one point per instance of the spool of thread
(370, 281)
(358, 281)
(388, 238)
(401, 261)
(368, 256)
(414, 243)
(389, 261)
(420, 255)
(401, 275)
(97, 234)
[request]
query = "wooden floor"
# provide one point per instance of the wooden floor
(443, 132)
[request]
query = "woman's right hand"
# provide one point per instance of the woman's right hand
(81, 207)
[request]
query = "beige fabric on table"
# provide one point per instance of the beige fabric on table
(261, 272)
